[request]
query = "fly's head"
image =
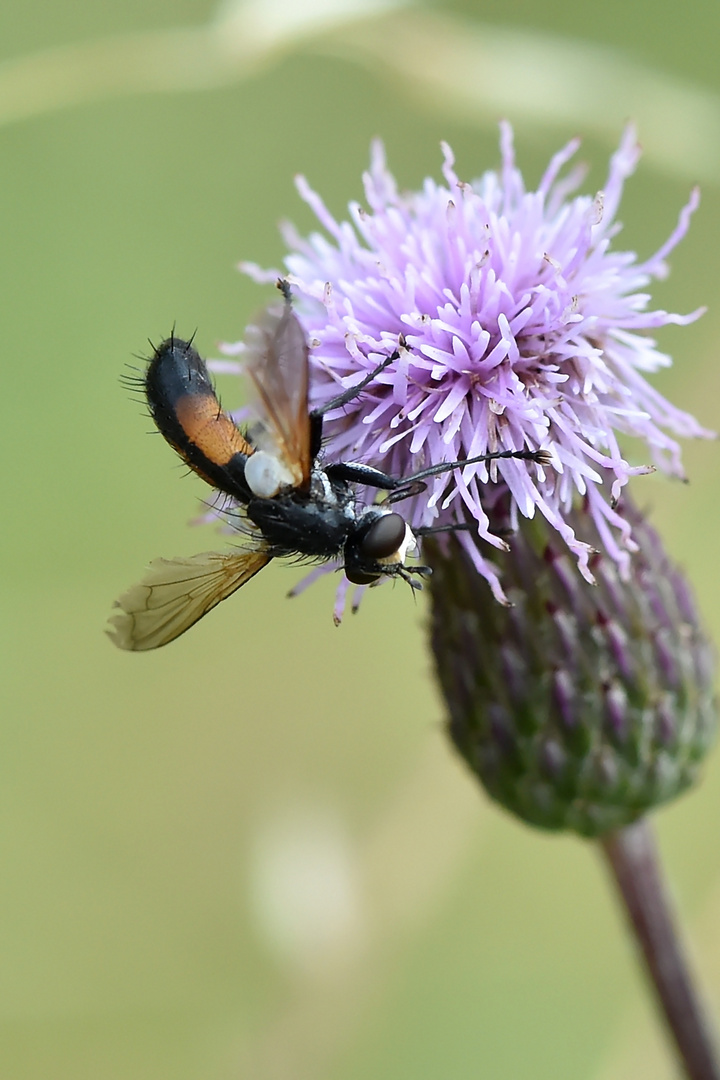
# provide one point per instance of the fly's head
(378, 547)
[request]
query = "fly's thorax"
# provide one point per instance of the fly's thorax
(315, 523)
(332, 492)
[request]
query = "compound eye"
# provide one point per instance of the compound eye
(384, 537)
(360, 577)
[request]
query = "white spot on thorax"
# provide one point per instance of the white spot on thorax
(266, 475)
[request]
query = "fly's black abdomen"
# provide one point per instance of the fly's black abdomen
(188, 414)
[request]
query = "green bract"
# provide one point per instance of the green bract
(579, 707)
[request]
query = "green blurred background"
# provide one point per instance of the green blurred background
(252, 854)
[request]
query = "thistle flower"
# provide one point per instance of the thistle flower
(585, 697)
(514, 323)
(519, 326)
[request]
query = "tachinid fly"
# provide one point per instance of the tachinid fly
(289, 504)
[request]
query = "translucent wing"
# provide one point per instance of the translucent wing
(175, 593)
(277, 359)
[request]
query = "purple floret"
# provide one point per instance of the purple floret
(517, 325)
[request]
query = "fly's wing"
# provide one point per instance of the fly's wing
(277, 359)
(175, 593)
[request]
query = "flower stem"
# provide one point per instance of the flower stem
(632, 855)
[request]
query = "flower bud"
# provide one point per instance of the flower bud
(578, 706)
